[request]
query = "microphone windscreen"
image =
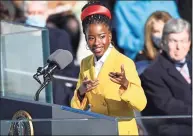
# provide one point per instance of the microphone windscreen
(61, 57)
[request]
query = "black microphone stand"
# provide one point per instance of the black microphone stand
(42, 86)
(47, 78)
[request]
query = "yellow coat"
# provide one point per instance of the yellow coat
(105, 99)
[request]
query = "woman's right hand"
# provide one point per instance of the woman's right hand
(87, 85)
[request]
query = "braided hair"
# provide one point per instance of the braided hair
(95, 18)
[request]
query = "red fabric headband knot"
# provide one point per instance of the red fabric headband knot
(95, 9)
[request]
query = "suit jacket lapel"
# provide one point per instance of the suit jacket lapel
(89, 68)
(172, 71)
(108, 63)
(106, 68)
(189, 63)
(103, 76)
(176, 74)
(92, 68)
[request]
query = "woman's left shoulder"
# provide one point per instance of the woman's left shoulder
(125, 59)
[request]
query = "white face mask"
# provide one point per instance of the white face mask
(36, 20)
(157, 41)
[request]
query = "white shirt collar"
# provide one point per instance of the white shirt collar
(100, 62)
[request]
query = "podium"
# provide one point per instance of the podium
(50, 119)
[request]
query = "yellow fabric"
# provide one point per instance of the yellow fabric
(106, 99)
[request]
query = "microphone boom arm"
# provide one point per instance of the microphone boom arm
(47, 79)
(43, 85)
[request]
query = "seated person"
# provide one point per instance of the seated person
(153, 33)
(167, 81)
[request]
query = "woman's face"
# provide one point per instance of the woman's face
(98, 38)
(157, 28)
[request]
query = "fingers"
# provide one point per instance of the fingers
(122, 69)
(91, 88)
(95, 82)
(85, 82)
(115, 74)
(115, 80)
(90, 81)
(90, 84)
(111, 74)
(85, 78)
(117, 77)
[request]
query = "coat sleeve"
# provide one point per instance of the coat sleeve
(134, 95)
(75, 102)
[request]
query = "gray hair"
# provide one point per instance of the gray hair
(27, 3)
(175, 26)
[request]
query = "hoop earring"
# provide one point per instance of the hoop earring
(112, 44)
(87, 47)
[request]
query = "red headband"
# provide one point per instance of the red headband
(95, 9)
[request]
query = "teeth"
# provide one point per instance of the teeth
(97, 49)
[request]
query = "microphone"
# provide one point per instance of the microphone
(56, 61)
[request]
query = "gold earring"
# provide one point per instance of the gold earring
(113, 43)
(87, 47)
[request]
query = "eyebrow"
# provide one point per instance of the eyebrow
(98, 34)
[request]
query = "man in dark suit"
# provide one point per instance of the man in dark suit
(167, 81)
(62, 89)
(36, 15)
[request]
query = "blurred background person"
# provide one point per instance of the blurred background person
(4, 13)
(168, 82)
(153, 32)
(8, 9)
(67, 21)
(36, 13)
(66, 17)
(19, 10)
(185, 9)
(130, 21)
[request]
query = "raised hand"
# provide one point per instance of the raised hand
(88, 85)
(119, 78)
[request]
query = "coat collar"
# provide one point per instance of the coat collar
(167, 64)
(108, 62)
(103, 75)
